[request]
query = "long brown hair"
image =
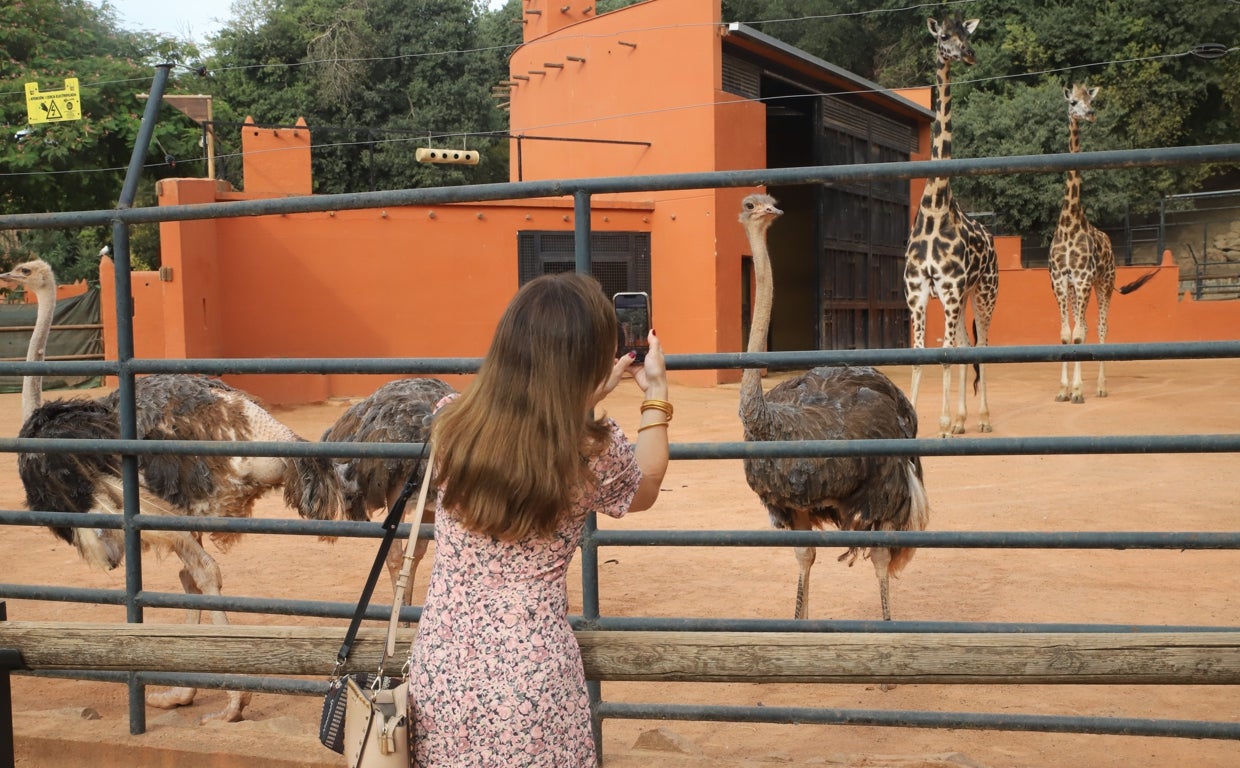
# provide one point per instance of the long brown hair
(512, 448)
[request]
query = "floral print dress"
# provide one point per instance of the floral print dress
(495, 674)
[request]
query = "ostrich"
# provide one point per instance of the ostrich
(398, 412)
(181, 407)
(858, 493)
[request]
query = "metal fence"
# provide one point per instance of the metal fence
(126, 367)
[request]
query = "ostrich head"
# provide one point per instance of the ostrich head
(952, 35)
(758, 212)
(35, 276)
(1081, 102)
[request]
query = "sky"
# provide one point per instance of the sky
(193, 19)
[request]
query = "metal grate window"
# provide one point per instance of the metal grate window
(620, 261)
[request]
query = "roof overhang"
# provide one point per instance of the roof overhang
(813, 68)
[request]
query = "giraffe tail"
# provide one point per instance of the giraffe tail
(1140, 281)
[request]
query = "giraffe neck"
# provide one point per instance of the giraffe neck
(1072, 192)
(937, 193)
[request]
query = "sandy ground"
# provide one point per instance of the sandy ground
(1189, 492)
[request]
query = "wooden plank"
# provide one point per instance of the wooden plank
(1200, 658)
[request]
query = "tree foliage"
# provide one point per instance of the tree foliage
(1154, 92)
(374, 79)
(79, 164)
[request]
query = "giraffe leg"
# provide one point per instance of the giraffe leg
(952, 327)
(1078, 337)
(1065, 336)
(1104, 306)
(917, 308)
(962, 404)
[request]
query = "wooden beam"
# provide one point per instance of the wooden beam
(1181, 658)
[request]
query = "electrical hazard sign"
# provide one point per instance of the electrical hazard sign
(53, 106)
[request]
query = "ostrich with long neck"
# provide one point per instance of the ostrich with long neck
(177, 407)
(854, 493)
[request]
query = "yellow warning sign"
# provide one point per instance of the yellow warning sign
(53, 106)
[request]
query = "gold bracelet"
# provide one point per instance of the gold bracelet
(658, 405)
(655, 424)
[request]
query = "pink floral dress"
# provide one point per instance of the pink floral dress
(496, 676)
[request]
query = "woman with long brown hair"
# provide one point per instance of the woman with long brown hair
(496, 677)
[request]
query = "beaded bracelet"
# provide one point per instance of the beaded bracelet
(649, 426)
(658, 405)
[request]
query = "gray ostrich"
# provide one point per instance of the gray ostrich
(169, 407)
(855, 493)
(398, 412)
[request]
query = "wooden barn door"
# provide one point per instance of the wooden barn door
(864, 231)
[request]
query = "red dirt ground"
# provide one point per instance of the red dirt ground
(1188, 492)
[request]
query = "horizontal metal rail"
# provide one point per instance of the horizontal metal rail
(924, 446)
(1116, 726)
(760, 177)
(1177, 540)
(799, 360)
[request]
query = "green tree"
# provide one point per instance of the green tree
(371, 92)
(79, 164)
(1155, 93)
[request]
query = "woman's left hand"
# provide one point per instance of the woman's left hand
(621, 365)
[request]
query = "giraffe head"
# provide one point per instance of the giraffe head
(1080, 102)
(952, 35)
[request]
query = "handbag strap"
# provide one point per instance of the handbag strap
(390, 524)
(406, 568)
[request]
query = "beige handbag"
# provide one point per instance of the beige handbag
(377, 724)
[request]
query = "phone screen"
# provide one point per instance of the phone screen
(633, 317)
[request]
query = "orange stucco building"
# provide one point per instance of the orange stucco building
(659, 87)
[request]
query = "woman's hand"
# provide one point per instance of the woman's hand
(651, 375)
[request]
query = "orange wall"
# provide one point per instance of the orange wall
(1026, 312)
(393, 283)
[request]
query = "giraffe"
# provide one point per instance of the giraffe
(950, 255)
(1081, 257)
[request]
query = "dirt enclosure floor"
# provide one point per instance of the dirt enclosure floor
(75, 723)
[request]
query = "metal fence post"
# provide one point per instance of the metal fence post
(9, 659)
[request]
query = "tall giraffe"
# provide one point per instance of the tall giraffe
(1081, 257)
(950, 255)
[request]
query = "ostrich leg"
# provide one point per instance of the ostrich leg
(805, 556)
(881, 557)
(200, 576)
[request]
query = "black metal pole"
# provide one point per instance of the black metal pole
(9, 659)
(125, 378)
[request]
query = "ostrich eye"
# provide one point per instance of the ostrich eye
(749, 206)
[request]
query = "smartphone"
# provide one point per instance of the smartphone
(633, 316)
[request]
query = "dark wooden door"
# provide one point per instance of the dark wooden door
(864, 228)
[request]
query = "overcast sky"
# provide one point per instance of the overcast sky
(193, 19)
